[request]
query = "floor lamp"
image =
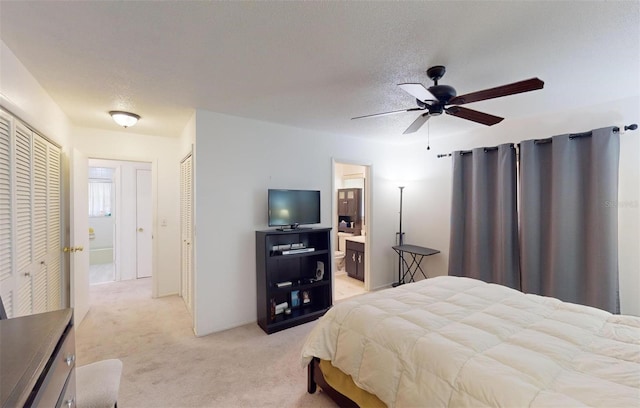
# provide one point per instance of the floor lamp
(400, 242)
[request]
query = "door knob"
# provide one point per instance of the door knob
(140, 229)
(78, 248)
(68, 249)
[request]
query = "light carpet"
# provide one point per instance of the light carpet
(165, 365)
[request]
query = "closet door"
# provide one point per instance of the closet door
(40, 224)
(54, 220)
(7, 276)
(23, 220)
(30, 188)
(186, 229)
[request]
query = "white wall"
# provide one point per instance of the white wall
(23, 96)
(164, 156)
(427, 199)
(188, 137)
(237, 160)
(241, 159)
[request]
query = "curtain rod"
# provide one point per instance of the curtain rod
(632, 126)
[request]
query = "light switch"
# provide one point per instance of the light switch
(163, 223)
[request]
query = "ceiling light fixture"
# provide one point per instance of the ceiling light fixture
(124, 119)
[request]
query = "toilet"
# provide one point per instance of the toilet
(339, 254)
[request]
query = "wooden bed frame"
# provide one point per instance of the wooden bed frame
(315, 378)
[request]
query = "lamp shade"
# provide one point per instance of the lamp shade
(124, 119)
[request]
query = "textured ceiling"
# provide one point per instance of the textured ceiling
(315, 65)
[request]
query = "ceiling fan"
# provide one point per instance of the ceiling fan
(442, 98)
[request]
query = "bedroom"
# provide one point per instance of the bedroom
(297, 154)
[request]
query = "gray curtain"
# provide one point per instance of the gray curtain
(484, 223)
(569, 218)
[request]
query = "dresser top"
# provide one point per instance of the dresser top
(26, 344)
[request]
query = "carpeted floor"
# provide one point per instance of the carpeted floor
(165, 365)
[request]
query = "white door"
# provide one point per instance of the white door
(186, 230)
(23, 220)
(8, 277)
(30, 253)
(79, 235)
(143, 223)
(54, 230)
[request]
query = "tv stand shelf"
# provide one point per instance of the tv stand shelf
(309, 295)
(321, 252)
(302, 286)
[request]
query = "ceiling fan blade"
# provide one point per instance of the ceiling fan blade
(499, 91)
(417, 124)
(387, 113)
(473, 115)
(418, 91)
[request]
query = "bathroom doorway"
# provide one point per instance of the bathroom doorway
(101, 223)
(350, 229)
(119, 229)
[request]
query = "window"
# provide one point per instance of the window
(100, 191)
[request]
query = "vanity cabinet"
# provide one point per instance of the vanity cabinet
(350, 210)
(354, 259)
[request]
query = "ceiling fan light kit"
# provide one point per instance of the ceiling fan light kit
(438, 99)
(124, 119)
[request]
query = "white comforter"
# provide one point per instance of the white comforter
(450, 341)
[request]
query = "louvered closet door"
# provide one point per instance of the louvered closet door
(189, 231)
(186, 231)
(40, 224)
(54, 219)
(23, 217)
(30, 250)
(183, 276)
(7, 277)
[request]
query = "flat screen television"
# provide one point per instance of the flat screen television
(291, 208)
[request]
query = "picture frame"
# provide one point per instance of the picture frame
(295, 298)
(305, 298)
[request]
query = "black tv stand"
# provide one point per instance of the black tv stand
(299, 276)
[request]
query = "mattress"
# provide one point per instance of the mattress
(453, 341)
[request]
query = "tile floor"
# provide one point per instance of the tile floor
(101, 273)
(346, 286)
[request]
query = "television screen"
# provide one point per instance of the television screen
(293, 207)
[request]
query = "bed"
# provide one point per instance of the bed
(452, 341)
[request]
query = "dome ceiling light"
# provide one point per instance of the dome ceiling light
(124, 119)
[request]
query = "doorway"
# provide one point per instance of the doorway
(101, 224)
(120, 220)
(350, 221)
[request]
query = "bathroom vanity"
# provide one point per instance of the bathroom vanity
(354, 257)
